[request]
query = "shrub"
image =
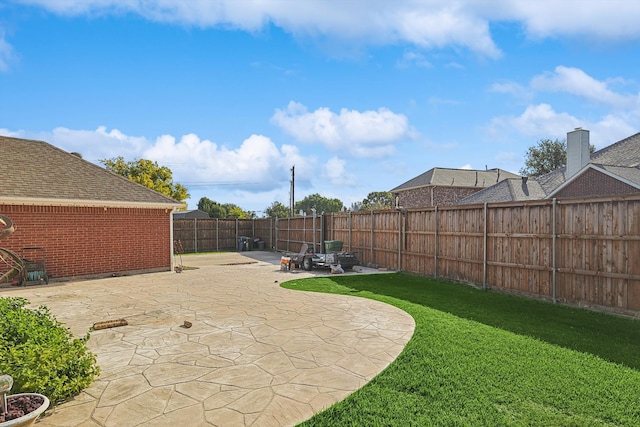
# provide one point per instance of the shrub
(41, 354)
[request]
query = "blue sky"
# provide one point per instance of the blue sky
(359, 95)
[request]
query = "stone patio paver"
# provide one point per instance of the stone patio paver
(256, 355)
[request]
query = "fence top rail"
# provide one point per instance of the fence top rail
(522, 203)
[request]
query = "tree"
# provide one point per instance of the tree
(376, 200)
(213, 208)
(320, 203)
(235, 211)
(277, 210)
(545, 157)
(149, 174)
(223, 211)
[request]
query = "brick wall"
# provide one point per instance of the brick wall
(594, 183)
(88, 241)
(442, 196)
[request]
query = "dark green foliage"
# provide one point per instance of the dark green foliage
(319, 203)
(376, 200)
(223, 211)
(548, 155)
(276, 210)
(485, 358)
(41, 354)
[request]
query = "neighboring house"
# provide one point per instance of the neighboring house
(611, 171)
(192, 214)
(89, 221)
(442, 186)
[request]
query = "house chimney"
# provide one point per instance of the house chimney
(578, 153)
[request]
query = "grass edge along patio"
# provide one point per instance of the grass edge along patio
(487, 358)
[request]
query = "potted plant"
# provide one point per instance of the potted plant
(22, 409)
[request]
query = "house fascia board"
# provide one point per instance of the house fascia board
(415, 187)
(28, 201)
(582, 171)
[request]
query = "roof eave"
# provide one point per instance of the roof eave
(28, 201)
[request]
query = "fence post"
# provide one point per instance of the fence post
(399, 240)
(554, 241)
(195, 235)
(486, 226)
(372, 234)
(350, 230)
(435, 244)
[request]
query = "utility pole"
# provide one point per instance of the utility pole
(293, 187)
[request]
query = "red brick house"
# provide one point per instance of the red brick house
(89, 221)
(442, 186)
(611, 171)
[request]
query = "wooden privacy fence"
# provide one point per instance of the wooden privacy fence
(584, 252)
(279, 234)
(213, 234)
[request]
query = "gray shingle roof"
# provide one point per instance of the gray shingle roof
(444, 177)
(629, 173)
(37, 170)
(623, 153)
(506, 191)
(621, 159)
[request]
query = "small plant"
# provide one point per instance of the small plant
(41, 354)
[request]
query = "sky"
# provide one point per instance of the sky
(358, 96)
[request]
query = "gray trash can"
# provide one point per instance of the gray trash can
(244, 243)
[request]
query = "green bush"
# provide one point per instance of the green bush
(41, 354)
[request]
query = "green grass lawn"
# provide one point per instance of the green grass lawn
(481, 358)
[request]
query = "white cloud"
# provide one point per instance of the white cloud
(362, 134)
(512, 88)
(424, 24)
(93, 145)
(435, 24)
(576, 82)
(537, 121)
(7, 54)
(413, 58)
(542, 121)
(334, 170)
(611, 19)
(257, 165)
(448, 24)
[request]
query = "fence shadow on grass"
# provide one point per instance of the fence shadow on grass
(613, 338)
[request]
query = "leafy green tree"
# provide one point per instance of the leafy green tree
(149, 174)
(545, 157)
(320, 203)
(235, 211)
(277, 210)
(227, 210)
(213, 208)
(377, 200)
